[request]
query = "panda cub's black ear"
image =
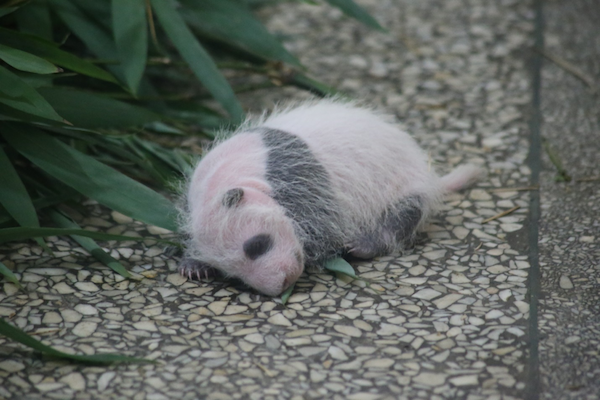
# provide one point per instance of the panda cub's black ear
(233, 197)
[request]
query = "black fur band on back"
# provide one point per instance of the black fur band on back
(301, 185)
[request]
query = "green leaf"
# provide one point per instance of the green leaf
(34, 18)
(13, 196)
(131, 37)
(11, 114)
(90, 177)
(7, 10)
(85, 28)
(351, 9)
(26, 62)
(340, 265)
(15, 93)
(121, 146)
(17, 234)
(135, 151)
(286, 295)
(20, 336)
(315, 86)
(151, 159)
(89, 244)
(50, 52)
(197, 114)
(37, 81)
(9, 275)
(40, 204)
(197, 58)
(161, 127)
(94, 35)
(15, 199)
(92, 111)
(232, 22)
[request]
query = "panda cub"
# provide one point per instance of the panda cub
(303, 186)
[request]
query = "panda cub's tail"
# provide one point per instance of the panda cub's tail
(462, 177)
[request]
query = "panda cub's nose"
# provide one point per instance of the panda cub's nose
(257, 245)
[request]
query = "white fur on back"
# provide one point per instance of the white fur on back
(372, 164)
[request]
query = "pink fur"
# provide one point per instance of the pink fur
(462, 177)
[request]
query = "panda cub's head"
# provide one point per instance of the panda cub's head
(245, 234)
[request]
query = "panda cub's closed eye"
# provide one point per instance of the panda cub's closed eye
(257, 245)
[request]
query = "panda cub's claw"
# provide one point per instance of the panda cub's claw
(194, 269)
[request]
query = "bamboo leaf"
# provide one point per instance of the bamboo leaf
(9, 275)
(197, 114)
(161, 127)
(90, 177)
(89, 244)
(131, 38)
(13, 196)
(232, 22)
(20, 233)
(315, 86)
(39, 204)
(50, 51)
(286, 295)
(26, 62)
(340, 265)
(197, 58)
(93, 34)
(89, 110)
(15, 93)
(15, 199)
(149, 160)
(34, 18)
(7, 10)
(85, 28)
(351, 9)
(20, 336)
(117, 145)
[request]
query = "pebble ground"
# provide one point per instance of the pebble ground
(447, 320)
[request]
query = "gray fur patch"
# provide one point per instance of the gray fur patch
(396, 229)
(302, 187)
(233, 197)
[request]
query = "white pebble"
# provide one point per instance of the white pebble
(86, 309)
(74, 380)
(87, 286)
(565, 282)
(11, 366)
(105, 379)
(466, 380)
(145, 326)
(494, 314)
(63, 288)
(505, 294)
(572, 339)
(279, 319)
(426, 294)
(85, 329)
(447, 300)
(348, 330)
(430, 379)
